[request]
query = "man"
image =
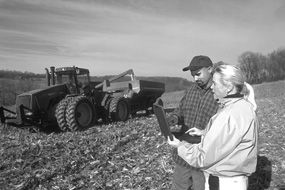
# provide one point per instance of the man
(195, 109)
(71, 86)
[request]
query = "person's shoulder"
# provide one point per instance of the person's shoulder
(191, 90)
(238, 103)
(243, 103)
(193, 86)
(188, 89)
(241, 107)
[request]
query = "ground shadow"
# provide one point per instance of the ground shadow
(261, 178)
(49, 129)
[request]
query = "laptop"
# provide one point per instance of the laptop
(165, 128)
(161, 118)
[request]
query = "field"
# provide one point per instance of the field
(130, 155)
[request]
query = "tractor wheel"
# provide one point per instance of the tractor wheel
(119, 109)
(60, 114)
(80, 114)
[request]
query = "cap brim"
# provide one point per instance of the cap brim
(186, 69)
(193, 69)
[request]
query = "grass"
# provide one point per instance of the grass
(271, 102)
(127, 155)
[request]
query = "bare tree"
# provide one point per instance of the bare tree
(252, 64)
(276, 63)
(9, 89)
(6, 92)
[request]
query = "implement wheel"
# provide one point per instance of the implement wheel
(80, 114)
(119, 109)
(60, 114)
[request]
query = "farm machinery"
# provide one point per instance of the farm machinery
(73, 102)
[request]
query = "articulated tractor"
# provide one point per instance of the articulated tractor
(73, 102)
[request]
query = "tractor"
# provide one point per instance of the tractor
(73, 102)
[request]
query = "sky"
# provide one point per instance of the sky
(152, 37)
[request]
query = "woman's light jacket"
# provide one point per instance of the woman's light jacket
(229, 147)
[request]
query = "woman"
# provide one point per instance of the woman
(228, 148)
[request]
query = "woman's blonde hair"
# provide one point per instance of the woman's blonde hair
(232, 75)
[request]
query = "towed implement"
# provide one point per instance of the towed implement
(73, 102)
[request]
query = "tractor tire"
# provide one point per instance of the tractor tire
(80, 114)
(119, 109)
(60, 114)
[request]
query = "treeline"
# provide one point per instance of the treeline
(19, 75)
(260, 68)
(9, 89)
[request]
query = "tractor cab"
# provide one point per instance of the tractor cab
(76, 79)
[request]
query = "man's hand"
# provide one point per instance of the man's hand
(195, 131)
(173, 143)
(172, 120)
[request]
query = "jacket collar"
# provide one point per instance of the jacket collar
(230, 99)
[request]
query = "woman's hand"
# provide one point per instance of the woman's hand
(174, 143)
(195, 131)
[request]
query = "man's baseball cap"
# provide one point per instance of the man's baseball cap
(197, 63)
